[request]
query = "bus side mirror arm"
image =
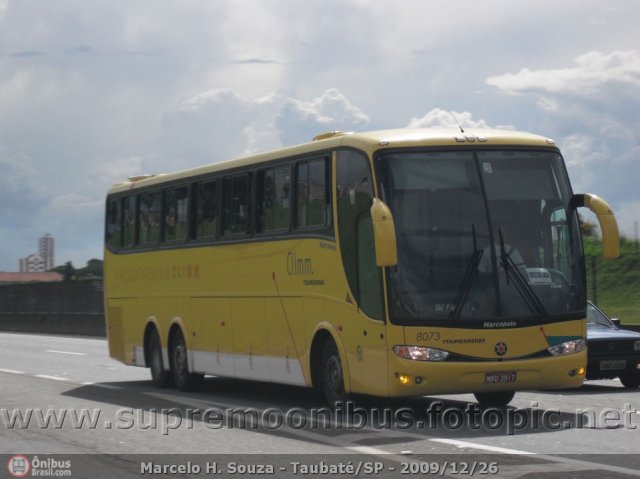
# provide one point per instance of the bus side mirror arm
(384, 234)
(606, 219)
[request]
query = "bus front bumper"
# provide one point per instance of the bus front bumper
(420, 378)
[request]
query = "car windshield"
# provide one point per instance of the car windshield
(596, 318)
(482, 235)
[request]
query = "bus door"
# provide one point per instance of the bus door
(366, 345)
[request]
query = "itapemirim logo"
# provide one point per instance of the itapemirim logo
(18, 466)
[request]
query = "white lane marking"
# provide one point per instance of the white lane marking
(482, 447)
(55, 378)
(368, 450)
(105, 386)
(11, 371)
(571, 463)
(64, 352)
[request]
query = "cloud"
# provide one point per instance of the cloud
(256, 61)
(22, 192)
(437, 118)
(221, 124)
(204, 128)
(330, 111)
(593, 73)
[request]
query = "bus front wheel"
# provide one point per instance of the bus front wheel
(332, 375)
(159, 376)
(185, 381)
(495, 399)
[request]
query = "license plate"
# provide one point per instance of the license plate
(612, 364)
(500, 377)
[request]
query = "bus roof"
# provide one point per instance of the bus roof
(367, 141)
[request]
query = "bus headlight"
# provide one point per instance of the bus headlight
(636, 346)
(420, 353)
(569, 347)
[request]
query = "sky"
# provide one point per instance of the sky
(94, 92)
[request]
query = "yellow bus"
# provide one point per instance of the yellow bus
(393, 263)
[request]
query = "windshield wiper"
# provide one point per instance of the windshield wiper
(524, 288)
(467, 279)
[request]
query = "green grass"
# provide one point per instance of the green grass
(617, 281)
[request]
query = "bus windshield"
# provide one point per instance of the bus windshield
(482, 235)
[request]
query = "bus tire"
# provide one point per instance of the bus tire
(160, 377)
(184, 380)
(332, 375)
(494, 399)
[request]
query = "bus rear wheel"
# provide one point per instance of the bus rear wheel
(159, 376)
(332, 375)
(184, 380)
(494, 399)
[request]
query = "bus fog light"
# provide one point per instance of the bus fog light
(577, 372)
(418, 380)
(568, 347)
(420, 353)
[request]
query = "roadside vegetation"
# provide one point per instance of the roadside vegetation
(617, 282)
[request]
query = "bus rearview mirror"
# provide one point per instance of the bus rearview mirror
(606, 219)
(384, 234)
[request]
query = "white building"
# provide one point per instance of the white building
(41, 261)
(34, 263)
(46, 251)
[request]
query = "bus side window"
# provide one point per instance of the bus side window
(206, 209)
(175, 214)
(114, 221)
(235, 205)
(128, 221)
(149, 218)
(311, 193)
(273, 188)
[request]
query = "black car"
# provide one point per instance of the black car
(612, 352)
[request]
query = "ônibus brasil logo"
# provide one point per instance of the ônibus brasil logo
(18, 466)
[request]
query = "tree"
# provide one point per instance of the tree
(69, 271)
(588, 228)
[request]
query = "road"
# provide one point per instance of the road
(65, 396)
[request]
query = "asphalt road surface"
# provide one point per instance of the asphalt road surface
(63, 398)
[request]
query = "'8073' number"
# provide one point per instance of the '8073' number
(428, 336)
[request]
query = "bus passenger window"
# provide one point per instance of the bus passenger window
(311, 194)
(149, 218)
(273, 203)
(235, 205)
(114, 219)
(206, 210)
(129, 221)
(175, 214)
